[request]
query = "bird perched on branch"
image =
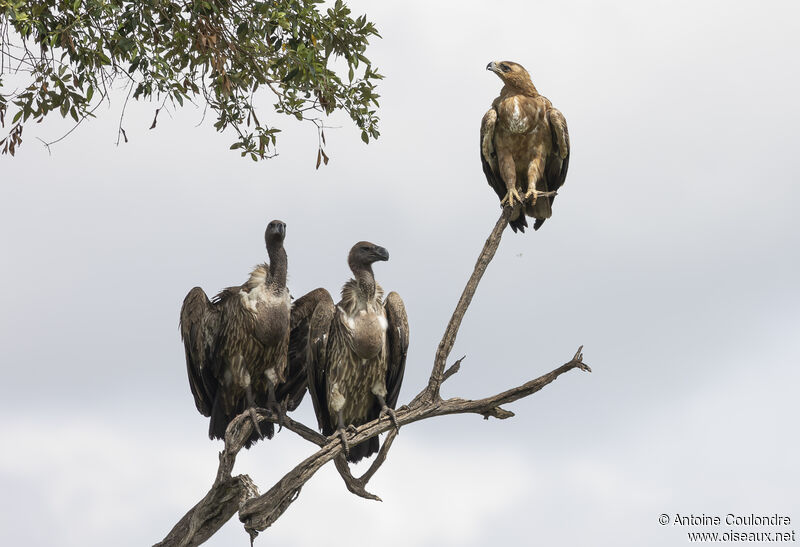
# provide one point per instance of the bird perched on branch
(524, 147)
(237, 345)
(357, 352)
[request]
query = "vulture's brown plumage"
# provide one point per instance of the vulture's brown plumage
(357, 352)
(237, 345)
(524, 147)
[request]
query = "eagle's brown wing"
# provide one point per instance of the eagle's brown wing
(198, 324)
(558, 160)
(489, 163)
(488, 155)
(396, 346)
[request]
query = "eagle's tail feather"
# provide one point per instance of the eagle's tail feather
(519, 224)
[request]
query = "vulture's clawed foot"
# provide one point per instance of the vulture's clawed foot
(343, 431)
(252, 411)
(343, 437)
(280, 412)
(274, 406)
(253, 416)
(510, 198)
(386, 411)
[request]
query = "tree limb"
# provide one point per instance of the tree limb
(258, 512)
(211, 513)
(357, 485)
(450, 333)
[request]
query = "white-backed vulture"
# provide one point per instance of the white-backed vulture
(524, 147)
(237, 345)
(357, 352)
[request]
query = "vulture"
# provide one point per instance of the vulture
(356, 352)
(524, 147)
(237, 345)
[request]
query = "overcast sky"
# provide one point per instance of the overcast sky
(673, 255)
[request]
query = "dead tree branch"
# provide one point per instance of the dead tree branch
(450, 333)
(258, 512)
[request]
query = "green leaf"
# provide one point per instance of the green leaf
(292, 73)
(214, 54)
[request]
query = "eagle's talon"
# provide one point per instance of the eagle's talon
(536, 194)
(511, 195)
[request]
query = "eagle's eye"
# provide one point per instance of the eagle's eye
(504, 67)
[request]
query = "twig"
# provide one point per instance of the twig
(121, 131)
(358, 485)
(455, 367)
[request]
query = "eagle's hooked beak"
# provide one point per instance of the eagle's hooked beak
(491, 67)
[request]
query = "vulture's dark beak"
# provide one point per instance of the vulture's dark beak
(381, 253)
(277, 227)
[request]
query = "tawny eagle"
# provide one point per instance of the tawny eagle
(357, 352)
(524, 147)
(237, 345)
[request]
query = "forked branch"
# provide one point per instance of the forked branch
(257, 512)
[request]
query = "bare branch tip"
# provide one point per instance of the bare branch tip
(497, 412)
(455, 367)
(354, 485)
(577, 360)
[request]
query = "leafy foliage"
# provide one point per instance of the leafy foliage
(67, 56)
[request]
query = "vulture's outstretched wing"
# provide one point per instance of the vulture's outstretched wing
(490, 167)
(558, 160)
(317, 362)
(198, 323)
(294, 389)
(396, 346)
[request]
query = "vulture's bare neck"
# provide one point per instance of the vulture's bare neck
(366, 281)
(277, 264)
